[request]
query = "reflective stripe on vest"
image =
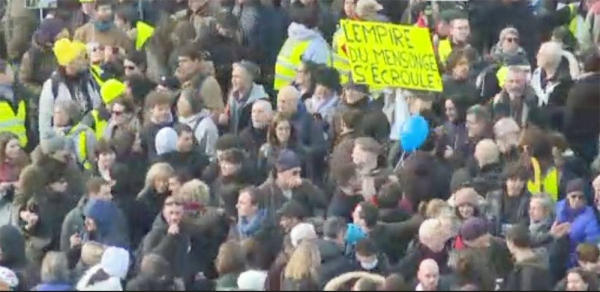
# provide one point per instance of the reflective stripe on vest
(97, 74)
(288, 60)
(340, 61)
(81, 144)
(14, 122)
(99, 124)
(444, 50)
(501, 76)
(549, 183)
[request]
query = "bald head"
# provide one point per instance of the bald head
(506, 132)
(287, 100)
(487, 152)
(428, 275)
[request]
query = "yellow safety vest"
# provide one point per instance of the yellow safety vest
(340, 60)
(547, 184)
(444, 50)
(573, 23)
(99, 124)
(81, 144)
(501, 75)
(14, 122)
(97, 74)
(288, 61)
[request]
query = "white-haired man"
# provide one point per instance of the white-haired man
(255, 133)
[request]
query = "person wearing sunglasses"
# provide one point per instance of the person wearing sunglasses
(508, 46)
(576, 212)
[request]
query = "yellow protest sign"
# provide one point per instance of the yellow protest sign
(382, 55)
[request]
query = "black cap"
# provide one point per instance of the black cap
(292, 209)
(170, 82)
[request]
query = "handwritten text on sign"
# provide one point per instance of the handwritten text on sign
(391, 55)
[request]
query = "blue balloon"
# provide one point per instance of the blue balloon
(413, 133)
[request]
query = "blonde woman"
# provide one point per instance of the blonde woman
(54, 273)
(300, 274)
(152, 197)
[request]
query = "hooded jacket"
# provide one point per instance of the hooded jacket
(110, 284)
(205, 131)
(318, 51)
(240, 107)
(105, 214)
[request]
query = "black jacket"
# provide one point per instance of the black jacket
(529, 275)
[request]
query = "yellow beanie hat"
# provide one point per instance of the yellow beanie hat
(66, 51)
(111, 90)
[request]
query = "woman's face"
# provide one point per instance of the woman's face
(13, 149)
(466, 211)
(461, 70)
(510, 43)
(106, 160)
(349, 7)
(514, 186)
(282, 131)
(228, 168)
(161, 184)
(302, 76)
(451, 113)
(576, 283)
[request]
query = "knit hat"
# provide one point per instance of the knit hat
(53, 143)
(111, 90)
(466, 196)
(115, 262)
(292, 209)
(67, 51)
(302, 231)
(365, 8)
(473, 228)
(252, 280)
(8, 278)
(453, 14)
(576, 185)
(49, 30)
(287, 160)
(250, 67)
(166, 141)
(460, 178)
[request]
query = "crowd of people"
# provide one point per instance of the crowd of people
(191, 145)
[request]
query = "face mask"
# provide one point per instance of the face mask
(369, 266)
(103, 25)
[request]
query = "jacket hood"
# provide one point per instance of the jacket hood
(329, 250)
(110, 284)
(103, 212)
(12, 244)
(300, 32)
(540, 260)
(257, 92)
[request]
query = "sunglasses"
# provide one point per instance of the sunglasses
(117, 113)
(512, 40)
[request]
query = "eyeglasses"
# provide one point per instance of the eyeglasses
(117, 113)
(512, 40)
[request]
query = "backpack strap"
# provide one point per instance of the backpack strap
(55, 84)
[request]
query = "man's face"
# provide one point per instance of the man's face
(576, 200)
(287, 223)
(244, 205)
(239, 78)
(131, 68)
(359, 156)
(60, 118)
(187, 68)
(173, 213)
(287, 103)
(104, 193)
(106, 159)
(353, 96)
(174, 185)
(59, 186)
(104, 13)
(119, 115)
(514, 186)
(161, 113)
(510, 43)
(185, 142)
(90, 224)
(228, 169)
(290, 176)
(460, 30)
(474, 127)
(515, 83)
(536, 211)
(428, 276)
(260, 117)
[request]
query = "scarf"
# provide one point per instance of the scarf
(247, 227)
(103, 26)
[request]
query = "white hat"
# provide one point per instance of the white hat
(9, 277)
(252, 280)
(115, 262)
(367, 7)
(301, 232)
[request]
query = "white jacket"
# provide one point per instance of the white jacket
(110, 284)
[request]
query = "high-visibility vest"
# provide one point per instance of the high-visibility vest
(97, 74)
(79, 135)
(14, 122)
(575, 20)
(444, 50)
(501, 76)
(100, 124)
(340, 59)
(288, 61)
(547, 184)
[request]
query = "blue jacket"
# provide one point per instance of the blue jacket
(104, 214)
(584, 226)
